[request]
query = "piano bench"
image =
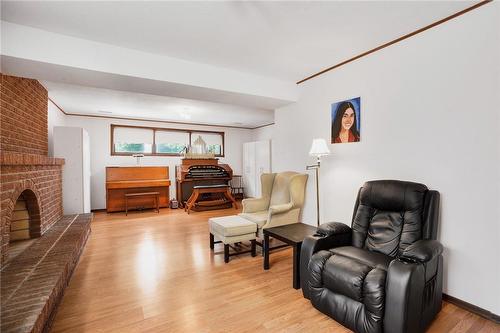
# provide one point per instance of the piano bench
(211, 189)
(155, 195)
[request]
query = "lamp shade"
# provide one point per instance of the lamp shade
(319, 148)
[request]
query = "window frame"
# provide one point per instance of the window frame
(155, 129)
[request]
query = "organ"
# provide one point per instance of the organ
(196, 172)
(137, 179)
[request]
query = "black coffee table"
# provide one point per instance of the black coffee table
(293, 235)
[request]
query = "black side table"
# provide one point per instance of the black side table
(293, 235)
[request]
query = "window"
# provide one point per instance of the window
(129, 140)
(171, 142)
(213, 141)
(132, 140)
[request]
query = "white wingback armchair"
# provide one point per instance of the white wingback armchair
(281, 202)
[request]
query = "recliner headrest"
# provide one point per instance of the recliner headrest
(393, 195)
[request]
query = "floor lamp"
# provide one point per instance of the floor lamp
(319, 148)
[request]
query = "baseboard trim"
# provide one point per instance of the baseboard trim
(472, 308)
(98, 210)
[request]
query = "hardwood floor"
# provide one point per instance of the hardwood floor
(150, 272)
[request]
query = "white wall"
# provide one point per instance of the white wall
(55, 118)
(99, 133)
(263, 133)
(430, 114)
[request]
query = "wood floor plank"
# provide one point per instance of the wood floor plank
(149, 272)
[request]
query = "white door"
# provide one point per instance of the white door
(68, 145)
(86, 171)
(249, 169)
(262, 162)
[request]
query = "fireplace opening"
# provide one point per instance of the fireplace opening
(24, 223)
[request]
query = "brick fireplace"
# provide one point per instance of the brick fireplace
(31, 183)
(40, 247)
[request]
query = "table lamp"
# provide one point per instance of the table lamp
(319, 148)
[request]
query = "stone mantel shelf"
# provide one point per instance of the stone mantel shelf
(13, 158)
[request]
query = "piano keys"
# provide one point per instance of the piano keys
(194, 172)
(137, 179)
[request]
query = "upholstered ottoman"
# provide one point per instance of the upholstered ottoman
(229, 230)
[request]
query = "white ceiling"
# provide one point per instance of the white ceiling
(287, 40)
(75, 99)
(262, 41)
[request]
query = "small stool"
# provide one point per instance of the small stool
(230, 230)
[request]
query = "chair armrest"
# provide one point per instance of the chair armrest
(281, 216)
(329, 235)
(278, 209)
(333, 228)
(414, 279)
(404, 289)
(422, 251)
(253, 205)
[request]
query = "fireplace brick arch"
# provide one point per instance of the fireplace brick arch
(27, 188)
(38, 176)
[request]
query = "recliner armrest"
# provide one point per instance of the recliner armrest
(333, 228)
(405, 283)
(422, 251)
(412, 280)
(329, 235)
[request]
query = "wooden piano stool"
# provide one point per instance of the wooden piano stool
(155, 195)
(225, 190)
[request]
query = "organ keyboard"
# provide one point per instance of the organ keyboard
(206, 171)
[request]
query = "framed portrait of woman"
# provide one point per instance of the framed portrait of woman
(346, 121)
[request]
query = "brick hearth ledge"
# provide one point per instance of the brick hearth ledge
(33, 282)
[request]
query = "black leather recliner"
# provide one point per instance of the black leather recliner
(385, 273)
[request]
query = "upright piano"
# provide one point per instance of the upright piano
(136, 179)
(194, 172)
